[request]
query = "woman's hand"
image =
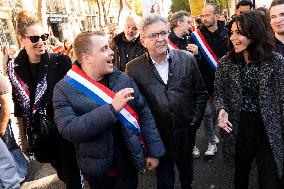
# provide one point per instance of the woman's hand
(223, 121)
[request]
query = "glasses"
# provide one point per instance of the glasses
(35, 38)
(155, 36)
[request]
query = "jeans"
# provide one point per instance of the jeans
(20, 161)
(209, 121)
(9, 178)
(166, 173)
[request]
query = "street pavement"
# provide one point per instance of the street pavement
(208, 173)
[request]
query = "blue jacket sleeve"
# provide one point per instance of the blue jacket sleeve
(81, 128)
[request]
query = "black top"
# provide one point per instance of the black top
(182, 42)
(279, 47)
(250, 87)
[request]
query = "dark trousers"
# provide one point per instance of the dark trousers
(252, 142)
(65, 164)
(166, 173)
(126, 177)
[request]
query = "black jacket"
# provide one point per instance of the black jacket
(279, 47)
(124, 51)
(57, 68)
(218, 42)
(181, 43)
(178, 106)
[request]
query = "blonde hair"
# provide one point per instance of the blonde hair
(83, 43)
(24, 20)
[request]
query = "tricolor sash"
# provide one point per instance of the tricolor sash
(171, 45)
(102, 95)
(23, 94)
(211, 57)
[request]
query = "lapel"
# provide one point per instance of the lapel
(154, 70)
(22, 67)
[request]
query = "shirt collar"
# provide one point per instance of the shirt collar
(166, 59)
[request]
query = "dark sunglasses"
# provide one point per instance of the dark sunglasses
(35, 38)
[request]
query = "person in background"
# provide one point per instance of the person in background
(215, 35)
(180, 32)
(249, 88)
(243, 6)
(127, 45)
(109, 149)
(155, 9)
(9, 178)
(276, 14)
(173, 87)
(33, 75)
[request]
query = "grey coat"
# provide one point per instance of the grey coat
(271, 100)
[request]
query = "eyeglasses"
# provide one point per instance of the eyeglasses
(155, 36)
(35, 38)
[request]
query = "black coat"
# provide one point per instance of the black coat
(279, 47)
(57, 68)
(125, 51)
(178, 106)
(228, 95)
(218, 42)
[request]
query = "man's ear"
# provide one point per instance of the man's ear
(142, 40)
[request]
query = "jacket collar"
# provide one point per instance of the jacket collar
(22, 66)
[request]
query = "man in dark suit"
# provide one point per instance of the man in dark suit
(177, 96)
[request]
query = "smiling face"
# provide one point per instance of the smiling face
(155, 39)
(277, 19)
(37, 48)
(239, 41)
(101, 57)
(184, 25)
(131, 29)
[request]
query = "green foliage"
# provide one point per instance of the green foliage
(137, 6)
(180, 5)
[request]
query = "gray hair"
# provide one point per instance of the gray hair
(178, 16)
(149, 20)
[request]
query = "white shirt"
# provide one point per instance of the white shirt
(163, 69)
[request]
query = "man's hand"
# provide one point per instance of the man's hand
(151, 163)
(192, 48)
(223, 121)
(121, 98)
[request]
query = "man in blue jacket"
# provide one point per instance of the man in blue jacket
(102, 112)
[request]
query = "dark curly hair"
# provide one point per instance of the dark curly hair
(253, 25)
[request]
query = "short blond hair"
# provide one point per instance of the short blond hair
(83, 42)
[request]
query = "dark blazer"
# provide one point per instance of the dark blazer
(178, 106)
(228, 95)
(90, 126)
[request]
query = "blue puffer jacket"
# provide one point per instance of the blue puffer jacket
(89, 126)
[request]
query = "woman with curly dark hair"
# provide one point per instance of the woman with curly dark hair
(249, 90)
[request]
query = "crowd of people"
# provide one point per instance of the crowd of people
(103, 108)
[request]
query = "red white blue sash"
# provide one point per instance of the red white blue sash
(205, 48)
(171, 45)
(102, 95)
(23, 94)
